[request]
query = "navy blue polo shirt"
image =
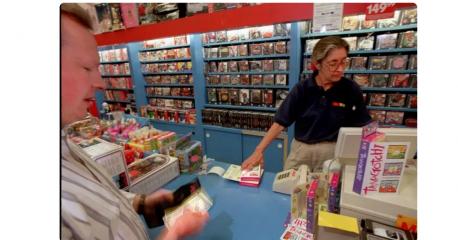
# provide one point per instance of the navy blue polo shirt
(319, 114)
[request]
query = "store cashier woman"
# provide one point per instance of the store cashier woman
(91, 205)
(319, 106)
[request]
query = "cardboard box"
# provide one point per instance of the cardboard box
(380, 165)
(190, 156)
(152, 173)
(109, 155)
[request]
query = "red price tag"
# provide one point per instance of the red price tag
(376, 11)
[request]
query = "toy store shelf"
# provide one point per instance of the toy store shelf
(119, 101)
(378, 51)
(362, 31)
(163, 48)
(246, 41)
(247, 86)
(120, 89)
(221, 128)
(282, 135)
(115, 75)
(384, 89)
(399, 109)
(250, 72)
(166, 73)
(394, 126)
(172, 97)
(168, 60)
(169, 85)
(171, 122)
(382, 71)
(114, 62)
(374, 71)
(249, 57)
(268, 109)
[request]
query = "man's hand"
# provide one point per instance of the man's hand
(158, 198)
(257, 157)
(152, 206)
(189, 223)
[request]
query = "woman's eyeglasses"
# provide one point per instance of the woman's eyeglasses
(334, 65)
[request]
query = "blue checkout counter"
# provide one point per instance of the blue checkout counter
(238, 212)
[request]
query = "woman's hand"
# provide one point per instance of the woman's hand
(256, 158)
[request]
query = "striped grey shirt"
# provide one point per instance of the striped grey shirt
(92, 206)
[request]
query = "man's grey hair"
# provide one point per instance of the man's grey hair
(78, 13)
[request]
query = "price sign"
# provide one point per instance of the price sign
(327, 17)
(376, 11)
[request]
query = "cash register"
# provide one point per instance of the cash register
(382, 208)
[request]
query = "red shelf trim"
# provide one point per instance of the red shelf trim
(263, 14)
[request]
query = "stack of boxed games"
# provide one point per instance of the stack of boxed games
(401, 17)
(117, 95)
(171, 103)
(114, 69)
(108, 17)
(245, 79)
(167, 91)
(269, 31)
(166, 67)
(166, 42)
(119, 82)
(113, 55)
(169, 79)
(238, 119)
(176, 53)
(187, 116)
(387, 117)
(246, 97)
(243, 66)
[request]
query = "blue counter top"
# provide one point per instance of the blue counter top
(238, 212)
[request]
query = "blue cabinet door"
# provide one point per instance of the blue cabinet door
(179, 129)
(223, 146)
(273, 156)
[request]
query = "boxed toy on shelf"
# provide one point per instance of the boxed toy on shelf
(119, 131)
(152, 172)
(113, 55)
(190, 156)
(178, 113)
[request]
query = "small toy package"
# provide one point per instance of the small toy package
(190, 156)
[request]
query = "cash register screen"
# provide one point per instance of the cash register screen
(349, 139)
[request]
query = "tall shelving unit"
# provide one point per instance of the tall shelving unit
(176, 75)
(116, 70)
(167, 82)
(245, 71)
(236, 144)
(248, 73)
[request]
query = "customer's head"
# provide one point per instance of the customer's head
(330, 57)
(80, 76)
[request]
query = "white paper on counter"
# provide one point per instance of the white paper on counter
(217, 170)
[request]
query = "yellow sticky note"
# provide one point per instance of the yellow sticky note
(332, 220)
